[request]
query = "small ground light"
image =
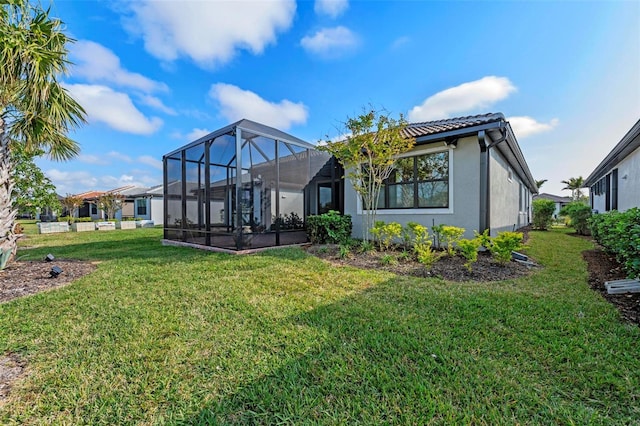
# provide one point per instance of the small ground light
(49, 258)
(55, 271)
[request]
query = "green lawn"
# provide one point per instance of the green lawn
(167, 335)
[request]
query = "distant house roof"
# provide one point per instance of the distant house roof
(92, 195)
(629, 143)
(554, 198)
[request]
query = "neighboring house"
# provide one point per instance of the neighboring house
(138, 202)
(144, 203)
(467, 172)
(615, 183)
(560, 202)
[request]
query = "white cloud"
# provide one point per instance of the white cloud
(113, 108)
(208, 32)
(150, 161)
(119, 156)
(236, 104)
(526, 126)
(330, 43)
(332, 8)
(197, 134)
(465, 98)
(92, 159)
(400, 42)
(68, 182)
(96, 63)
(156, 103)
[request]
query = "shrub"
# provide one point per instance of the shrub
(543, 213)
(579, 214)
(619, 234)
(469, 249)
(417, 233)
(385, 233)
(437, 231)
(426, 255)
(329, 228)
(451, 235)
(484, 238)
(345, 251)
(388, 260)
(503, 244)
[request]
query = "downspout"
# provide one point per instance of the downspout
(485, 177)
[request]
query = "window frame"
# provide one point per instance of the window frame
(421, 210)
(137, 211)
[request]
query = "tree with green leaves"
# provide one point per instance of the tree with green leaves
(71, 203)
(540, 182)
(33, 192)
(574, 185)
(36, 112)
(369, 156)
(110, 203)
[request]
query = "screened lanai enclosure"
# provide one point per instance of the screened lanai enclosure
(242, 187)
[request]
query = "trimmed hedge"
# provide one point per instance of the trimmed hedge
(329, 228)
(543, 213)
(619, 234)
(579, 213)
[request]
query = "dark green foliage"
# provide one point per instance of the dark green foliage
(619, 234)
(579, 214)
(329, 228)
(543, 213)
(289, 222)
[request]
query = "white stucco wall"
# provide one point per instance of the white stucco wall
(156, 204)
(464, 195)
(505, 189)
(629, 187)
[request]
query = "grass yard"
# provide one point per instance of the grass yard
(167, 335)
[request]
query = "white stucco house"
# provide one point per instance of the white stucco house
(467, 172)
(248, 185)
(615, 183)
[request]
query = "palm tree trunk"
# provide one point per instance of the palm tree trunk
(8, 239)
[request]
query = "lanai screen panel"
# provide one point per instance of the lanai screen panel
(240, 188)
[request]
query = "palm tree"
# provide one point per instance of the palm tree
(36, 112)
(574, 185)
(539, 183)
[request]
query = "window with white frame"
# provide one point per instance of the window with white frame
(418, 182)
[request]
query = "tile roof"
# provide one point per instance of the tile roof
(450, 124)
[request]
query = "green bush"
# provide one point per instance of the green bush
(619, 234)
(426, 254)
(451, 235)
(469, 249)
(543, 213)
(416, 233)
(579, 214)
(329, 228)
(503, 244)
(385, 233)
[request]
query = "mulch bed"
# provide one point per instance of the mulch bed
(448, 268)
(29, 277)
(603, 267)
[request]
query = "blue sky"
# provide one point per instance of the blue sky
(155, 75)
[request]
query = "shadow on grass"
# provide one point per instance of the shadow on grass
(141, 248)
(401, 353)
